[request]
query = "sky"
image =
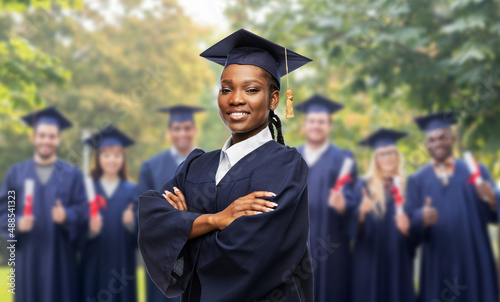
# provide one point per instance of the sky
(206, 11)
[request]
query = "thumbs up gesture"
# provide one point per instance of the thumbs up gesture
(58, 213)
(429, 213)
(367, 205)
(128, 215)
(337, 201)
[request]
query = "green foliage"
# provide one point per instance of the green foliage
(418, 56)
(21, 5)
(123, 70)
(23, 70)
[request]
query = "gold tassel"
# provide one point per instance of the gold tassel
(289, 93)
(289, 103)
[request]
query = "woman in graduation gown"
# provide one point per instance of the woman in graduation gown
(382, 255)
(108, 265)
(46, 247)
(235, 223)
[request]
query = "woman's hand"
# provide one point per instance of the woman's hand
(367, 205)
(177, 200)
(247, 205)
(95, 225)
(128, 215)
(403, 224)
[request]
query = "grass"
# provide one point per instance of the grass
(5, 296)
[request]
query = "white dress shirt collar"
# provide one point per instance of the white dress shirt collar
(231, 154)
(311, 156)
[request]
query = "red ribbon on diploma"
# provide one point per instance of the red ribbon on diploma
(98, 202)
(397, 196)
(475, 175)
(341, 182)
(28, 205)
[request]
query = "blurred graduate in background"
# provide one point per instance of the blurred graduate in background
(109, 251)
(159, 169)
(382, 256)
(449, 213)
(330, 201)
(51, 208)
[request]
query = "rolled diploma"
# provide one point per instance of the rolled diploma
(344, 175)
(473, 168)
(29, 188)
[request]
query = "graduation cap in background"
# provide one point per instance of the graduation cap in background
(382, 138)
(436, 121)
(180, 113)
(318, 103)
(109, 136)
(49, 116)
(246, 48)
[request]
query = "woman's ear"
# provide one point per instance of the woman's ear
(275, 100)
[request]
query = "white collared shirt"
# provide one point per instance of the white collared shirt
(311, 156)
(231, 154)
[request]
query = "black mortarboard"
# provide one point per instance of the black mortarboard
(48, 115)
(109, 136)
(436, 121)
(246, 48)
(318, 103)
(382, 138)
(180, 113)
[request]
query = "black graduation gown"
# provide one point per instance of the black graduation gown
(108, 265)
(46, 257)
(256, 258)
(382, 256)
(329, 239)
(154, 173)
(457, 257)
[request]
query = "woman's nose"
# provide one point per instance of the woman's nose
(237, 98)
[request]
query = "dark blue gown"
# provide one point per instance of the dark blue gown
(154, 173)
(329, 238)
(46, 257)
(382, 257)
(457, 258)
(108, 264)
(263, 257)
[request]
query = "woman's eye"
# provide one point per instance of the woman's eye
(253, 90)
(225, 90)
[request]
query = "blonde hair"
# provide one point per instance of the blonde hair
(375, 181)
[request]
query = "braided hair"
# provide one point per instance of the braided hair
(274, 120)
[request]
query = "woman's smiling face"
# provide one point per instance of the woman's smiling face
(245, 100)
